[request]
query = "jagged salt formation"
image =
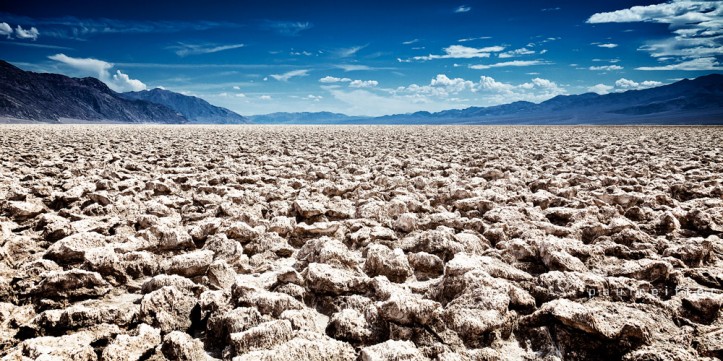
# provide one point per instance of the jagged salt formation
(360, 243)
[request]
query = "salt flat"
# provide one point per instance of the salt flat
(365, 242)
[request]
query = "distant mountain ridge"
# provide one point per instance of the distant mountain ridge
(50, 97)
(696, 101)
(302, 118)
(46, 97)
(194, 109)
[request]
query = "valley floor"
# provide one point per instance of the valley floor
(360, 242)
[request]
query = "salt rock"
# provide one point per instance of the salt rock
(318, 348)
(282, 225)
(180, 283)
(392, 350)
(172, 238)
(205, 228)
(317, 228)
(181, 346)
(596, 318)
(328, 251)
(223, 248)
(262, 336)
(222, 324)
(439, 242)
(23, 210)
(644, 269)
(54, 227)
(132, 347)
(390, 263)
(168, 309)
(349, 325)
(408, 309)
(268, 303)
(706, 305)
(75, 347)
(242, 232)
(308, 209)
(406, 222)
(307, 319)
(220, 275)
(72, 284)
(425, 265)
(120, 310)
(191, 264)
(72, 248)
(324, 278)
(139, 264)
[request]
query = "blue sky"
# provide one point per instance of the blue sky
(370, 57)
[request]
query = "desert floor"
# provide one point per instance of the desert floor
(371, 243)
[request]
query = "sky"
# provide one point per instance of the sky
(367, 57)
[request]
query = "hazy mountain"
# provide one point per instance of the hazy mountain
(303, 118)
(194, 109)
(50, 97)
(697, 101)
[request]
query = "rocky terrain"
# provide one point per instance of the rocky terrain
(360, 243)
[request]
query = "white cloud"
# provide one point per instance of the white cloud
(441, 93)
(265, 97)
(601, 89)
(331, 79)
(626, 84)
(606, 68)
(348, 52)
(410, 42)
(240, 95)
(463, 40)
(463, 52)
(288, 28)
(354, 67)
(462, 9)
(672, 12)
(696, 25)
(508, 63)
(537, 90)
(6, 30)
(315, 98)
(236, 87)
(607, 45)
(31, 33)
(290, 74)
(119, 81)
(709, 63)
(124, 83)
(183, 49)
(516, 52)
(495, 92)
(99, 68)
(441, 86)
(622, 85)
(363, 83)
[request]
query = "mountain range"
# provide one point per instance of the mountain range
(45, 97)
(48, 97)
(304, 118)
(697, 101)
(196, 110)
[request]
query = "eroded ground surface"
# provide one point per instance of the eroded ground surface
(371, 243)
